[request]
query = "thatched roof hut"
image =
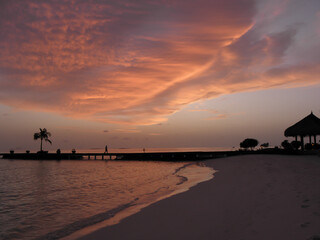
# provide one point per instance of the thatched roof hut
(309, 126)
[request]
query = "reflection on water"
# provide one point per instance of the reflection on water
(41, 197)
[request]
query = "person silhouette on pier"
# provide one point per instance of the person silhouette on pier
(106, 149)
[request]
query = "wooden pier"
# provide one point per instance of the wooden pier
(58, 156)
(152, 156)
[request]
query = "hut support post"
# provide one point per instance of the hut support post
(315, 139)
(296, 138)
(310, 139)
(302, 143)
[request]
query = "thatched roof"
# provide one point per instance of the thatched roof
(308, 126)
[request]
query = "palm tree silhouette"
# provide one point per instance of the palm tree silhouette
(43, 135)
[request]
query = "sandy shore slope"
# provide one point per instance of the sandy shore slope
(251, 197)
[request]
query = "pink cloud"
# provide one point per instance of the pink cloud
(137, 63)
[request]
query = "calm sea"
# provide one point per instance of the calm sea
(52, 199)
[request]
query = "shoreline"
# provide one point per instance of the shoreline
(180, 156)
(251, 197)
(189, 174)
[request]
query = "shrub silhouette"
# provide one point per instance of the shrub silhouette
(286, 145)
(308, 146)
(296, 144)
(249, 143)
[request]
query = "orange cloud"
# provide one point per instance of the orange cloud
(137, 63)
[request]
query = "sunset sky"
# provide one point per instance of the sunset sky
(156, 73)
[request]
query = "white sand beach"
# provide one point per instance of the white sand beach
(250, 197)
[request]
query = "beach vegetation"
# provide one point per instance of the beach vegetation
(286, 145)
(42, 135)
(264, 145)
(316, 146)
(249, 143)
(308, 146)
(296, 144)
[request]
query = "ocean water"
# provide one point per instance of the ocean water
(53, 199)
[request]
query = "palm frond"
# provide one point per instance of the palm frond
(36, 136)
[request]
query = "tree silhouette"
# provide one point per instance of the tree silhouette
(249, 143)
(43, 135)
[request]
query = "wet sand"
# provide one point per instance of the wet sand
(250, 197)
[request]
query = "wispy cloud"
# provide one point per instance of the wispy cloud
(127, 130)
(214, 114)
(138, 62)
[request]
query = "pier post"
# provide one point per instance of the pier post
(88, 156)
(95, 157)
(102, 156)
